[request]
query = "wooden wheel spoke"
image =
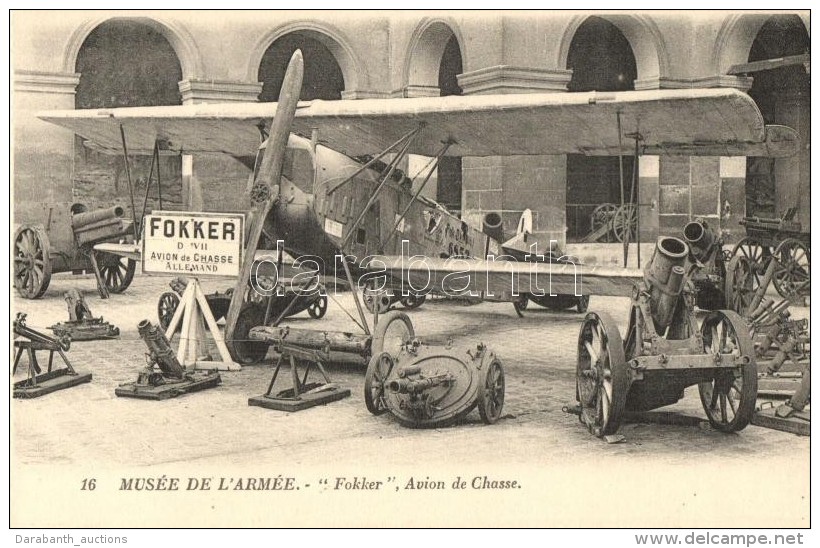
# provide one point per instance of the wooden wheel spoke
(723, 416)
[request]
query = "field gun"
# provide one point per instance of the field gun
(665, 352)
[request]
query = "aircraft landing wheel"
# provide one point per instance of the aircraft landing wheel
(794, 264)
(413, 301)
(583, 304)
(318, 308)
(740, 284)
(378, 371)
(32, 265)
(117, 272)
(602, 379)
(166, 307)
(729, 399)
(491, 392)
(394, 331)
(246, 350)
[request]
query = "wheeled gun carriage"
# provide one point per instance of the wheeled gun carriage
(784, 241)
(665, 352)
(65, 243)
(422, 386)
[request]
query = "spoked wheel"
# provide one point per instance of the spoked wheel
(583, 304)
(166, 307)
(793, 269)
(413, 301)
(32, 266)
(602, 215)
(378, 371)
(602, 378)
(729, 398)
(491, 393)
(116, 272)
(757, 255)
(318, 308)
(625, 221)
(246, 350)
(740, 284)
(394, 331)
(521, 304)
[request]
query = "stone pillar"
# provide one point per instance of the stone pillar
(43, 157)
(215, 182)
(792, 174)
(690, 187)
(510, 184)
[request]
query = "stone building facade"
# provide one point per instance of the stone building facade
(69, 60)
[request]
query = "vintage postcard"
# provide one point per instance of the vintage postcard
(410, 269)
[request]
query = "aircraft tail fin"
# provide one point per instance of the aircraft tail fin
(523, 234)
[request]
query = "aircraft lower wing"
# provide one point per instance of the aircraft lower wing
(501, 278)
(129, 251)
(707, 122)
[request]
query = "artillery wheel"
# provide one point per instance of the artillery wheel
(32, 265)
(625, 221)
(166, 307)
(729, 398)
(757, 254)
(740, 284)
(246, 350)
(394, 331)
(583, 304)
(602, 378)
(378, 371)
(794, 263)
(491, 392)
(521, 304)
(413, 301)
(601, 215)
(117, 272)
(318, 308)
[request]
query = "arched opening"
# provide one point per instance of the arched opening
(783, 96)
(111, 76)
(601, 59)
(323, 77)
(448, 192)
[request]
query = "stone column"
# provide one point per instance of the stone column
(510, 184)
(215, 182)
(792, 174)
(690, 187)
(43, 152)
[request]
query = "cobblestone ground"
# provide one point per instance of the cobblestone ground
(89, 426)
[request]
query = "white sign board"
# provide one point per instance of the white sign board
(189, 243)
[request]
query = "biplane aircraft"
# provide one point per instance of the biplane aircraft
(325, 180)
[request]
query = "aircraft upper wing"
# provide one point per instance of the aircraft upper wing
(456, 276)
(710, 122)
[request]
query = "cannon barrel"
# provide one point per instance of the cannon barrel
(160, 349)
(664, 274)
(699, 237)
(416, 386)
(80, 220)
(493, 226)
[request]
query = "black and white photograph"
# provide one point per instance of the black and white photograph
(410, 269)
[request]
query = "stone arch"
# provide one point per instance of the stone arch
(353, 70)
(735, 38)
(425, 50)
(180, 39)
(640, 31)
